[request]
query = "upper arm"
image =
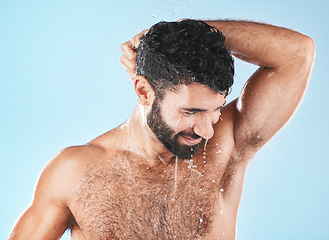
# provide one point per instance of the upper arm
(46, 221)
(270, 98)
(48, 216)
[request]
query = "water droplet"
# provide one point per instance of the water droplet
(221, 211)
(201, 220)
(191, 166)
(161, 159)
(222, 190)
(213, 180)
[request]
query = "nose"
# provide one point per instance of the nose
(204, 127)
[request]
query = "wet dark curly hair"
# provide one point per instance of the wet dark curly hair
(174, 53)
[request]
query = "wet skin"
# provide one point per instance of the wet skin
(192, 112)
(137, 192)
(125, 184)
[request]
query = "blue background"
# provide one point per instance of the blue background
(62, 84)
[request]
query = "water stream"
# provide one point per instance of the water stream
(175, 186)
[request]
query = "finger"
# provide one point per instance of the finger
(128, 63)
(129, 50)
(131, 73)
(136, 40)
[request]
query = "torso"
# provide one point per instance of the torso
(118, 199)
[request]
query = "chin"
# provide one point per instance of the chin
(186, 151)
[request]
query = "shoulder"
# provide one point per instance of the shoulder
(244, 141)
(59, 177)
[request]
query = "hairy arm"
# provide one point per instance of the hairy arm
(272, 94)
(274, 91)
(48, 216)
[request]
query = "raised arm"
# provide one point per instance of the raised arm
(274, 91)
(48, 216)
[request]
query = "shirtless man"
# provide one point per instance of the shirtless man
(176, 168)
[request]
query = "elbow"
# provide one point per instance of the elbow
(310, 45)
(308, 52)
(301, 56)
(305, 61)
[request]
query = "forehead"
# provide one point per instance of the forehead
(195, 95)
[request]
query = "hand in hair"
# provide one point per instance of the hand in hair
(129, 49)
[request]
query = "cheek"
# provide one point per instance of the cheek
(183, 123)
(178, 122)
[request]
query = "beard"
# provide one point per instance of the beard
(166, 135)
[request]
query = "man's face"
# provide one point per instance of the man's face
(184, 118)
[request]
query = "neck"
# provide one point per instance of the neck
(142, 141)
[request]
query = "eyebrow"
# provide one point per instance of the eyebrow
(200, 109)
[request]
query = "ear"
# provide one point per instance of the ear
(143, 90)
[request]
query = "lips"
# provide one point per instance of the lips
(191, 141)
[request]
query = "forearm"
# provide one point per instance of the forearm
(263, 44)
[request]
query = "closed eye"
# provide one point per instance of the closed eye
(189, 113)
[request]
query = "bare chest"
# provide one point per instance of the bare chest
(177, 201)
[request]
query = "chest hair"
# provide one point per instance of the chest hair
(122, 201)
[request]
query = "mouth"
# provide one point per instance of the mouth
(190, 140)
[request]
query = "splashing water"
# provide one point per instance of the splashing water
(218, 150)
(205, 145)
(175, 186)
(205, 150)
(161, 159)
(142, 111)
(220, 116)
(191, 166)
